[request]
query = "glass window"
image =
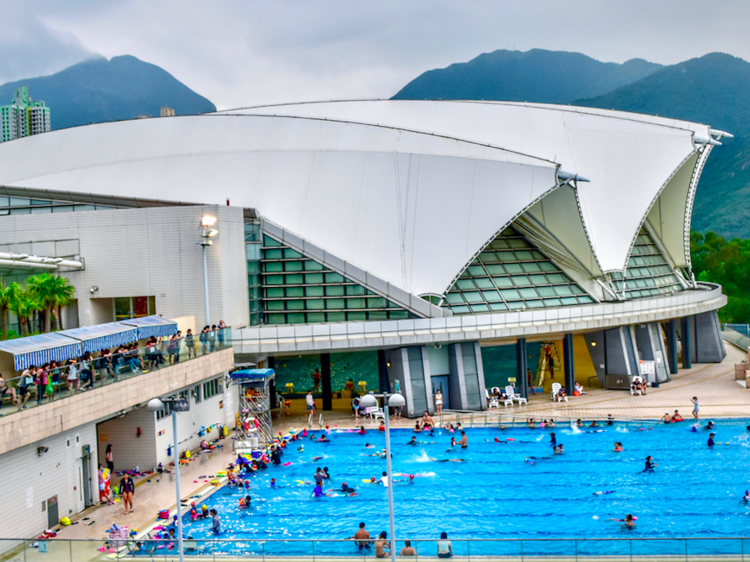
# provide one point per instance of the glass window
(476, 270)
(377, 315)
(502, 282)
(313, 278)
(122, 308)
(272, 254)
(335, 291)
(315, 304)
(276, 318)
(528, 293)
(498, 306)
(273, 280)
(275, 305)
(491, 296)
(376, 302)
(556, 278)
(538, 279)
(461, 309)
(140, 307)
(551, 302)
(356, 316)
(274, 292)
(473, 297)
(546, 291)
(295, 292)
(335, 316)
(335, 303)
(295, 305)
(480, 308)
(534, 304)
(355, 290)
(510, 294)
(495, 269)
(296, 318)
(295, 279)
(334, 278)
(516, 305)
(291, 254)
(520, 280)
(293, 266)
(273, 267)
(314, 291)
(454, 298)
(313, 266)
(513, 268)
(563, 290)
(464, 284)
(484, 283)
(531, 267)
(355, 303)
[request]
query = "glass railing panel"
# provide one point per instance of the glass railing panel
(12, 550)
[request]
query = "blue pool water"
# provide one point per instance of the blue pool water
(496, 493)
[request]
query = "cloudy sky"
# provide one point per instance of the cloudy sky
(244, 52)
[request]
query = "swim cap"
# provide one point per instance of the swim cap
(192, 504)
(343, 484)
(204, 506)
(273, 479)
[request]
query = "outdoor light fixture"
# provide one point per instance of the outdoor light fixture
(178, 405)
(393, 401)
(208, 220)
(207, 233)
(593, 344)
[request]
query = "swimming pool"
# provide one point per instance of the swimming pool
(500, 492)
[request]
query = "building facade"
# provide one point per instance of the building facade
(402, 245)
(24, 117)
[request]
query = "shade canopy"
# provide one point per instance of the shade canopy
(101, 336)
(40, 349)
(253, 374)
(148, 326)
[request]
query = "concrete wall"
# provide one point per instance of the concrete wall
(129, 450)
(29, 479)
(29, 426)
(143, 252)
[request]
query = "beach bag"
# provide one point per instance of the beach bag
(49, 389)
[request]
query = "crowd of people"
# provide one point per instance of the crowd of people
(97, 369)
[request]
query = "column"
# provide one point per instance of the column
(671, 331)
(383, 381)
(325, 379)
(522, 378)
(570, 377)
(685, 333)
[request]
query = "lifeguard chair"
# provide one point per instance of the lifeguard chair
(254, 425)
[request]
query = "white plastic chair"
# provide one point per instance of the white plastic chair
(510, 392)
(556, 387)
(375, 413)
(492, 401)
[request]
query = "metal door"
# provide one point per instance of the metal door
(441, 382)
(86, 485)
(53, 518)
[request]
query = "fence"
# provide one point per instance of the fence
(702, 549)
(104, 370)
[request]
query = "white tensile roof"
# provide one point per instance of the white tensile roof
(627, 157)
(407, 191)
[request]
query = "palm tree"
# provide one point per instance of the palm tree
(5, 295)
(22, 303)
(52, 293)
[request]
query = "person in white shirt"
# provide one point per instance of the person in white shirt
(579, 388)
(384, 480)
(310, 403)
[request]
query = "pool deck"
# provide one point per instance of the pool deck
(719, 394)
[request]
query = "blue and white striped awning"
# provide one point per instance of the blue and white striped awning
(148, 326)
(41, 349)
(101, 336)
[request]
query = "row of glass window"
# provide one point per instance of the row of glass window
(520, 305)
(646, 249)
(318, 317)
(306, 279)
(53, 209)
(281, 253)
(512, 294)
(352, 303)
(663, 281)
(652, 292)
(478, 269)
(298, 265)
(512, 281)
(316, 291)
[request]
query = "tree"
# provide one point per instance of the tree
(52, 292)
(22, 303)
(5, 295)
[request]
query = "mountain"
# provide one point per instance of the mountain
(534, 76)
(715, 90)
(100, 90)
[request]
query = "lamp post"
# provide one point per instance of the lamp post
(178, 405)
(397, 401)
(207, 221)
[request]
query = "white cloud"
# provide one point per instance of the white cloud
(244, 52)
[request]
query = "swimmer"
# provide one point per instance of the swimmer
(579, 423)
(368, 446)
(710, 425)
(618, 447)
(666, 418)
(676, 417)
(552, 439)
(464, 442)
(381, 427)
(347, 490)
(530, 423)
(413, 441)
(273, 482)
(301, 449)
(559, 449)
(317, 492)
(711, 440)
(312, 437)
(324, 439)
(245, 502)
(361, 429)
(594, 424)
(746, 499)
(325, 473)
(204, 512)
(610, 419)
(650, 465)
(417, 429)
(446, 460)
(551, 423)
(628, 522)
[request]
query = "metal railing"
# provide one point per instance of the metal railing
(672, 549)
(99, 370)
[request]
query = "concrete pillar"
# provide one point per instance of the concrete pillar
(521, 366)
(620, 352)
(651, 348)
(456, 379)
(686, 330)
(325, 379)
(671, 331)
(709, 344)
(568, 363)
(480, 375)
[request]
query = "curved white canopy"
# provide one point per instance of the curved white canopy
(628, 158)
(410, 208)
